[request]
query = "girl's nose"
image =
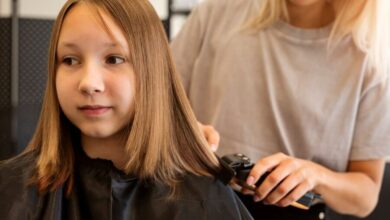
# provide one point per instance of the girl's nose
(92, 81)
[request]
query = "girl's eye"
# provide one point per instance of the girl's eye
(115, 60)
(70, 61)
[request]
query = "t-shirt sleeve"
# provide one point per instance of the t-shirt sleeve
(372, 130)
(186, 45)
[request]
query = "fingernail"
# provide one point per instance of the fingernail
(256, 198)
(250, 181)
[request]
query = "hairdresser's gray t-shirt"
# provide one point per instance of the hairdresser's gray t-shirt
(281, 89)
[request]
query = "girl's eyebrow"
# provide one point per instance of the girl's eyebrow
(108, 45)
(70, 45)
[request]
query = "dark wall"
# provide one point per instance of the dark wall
(34, 37)
(6, 144)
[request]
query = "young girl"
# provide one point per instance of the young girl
(302, 87)
(116, 137)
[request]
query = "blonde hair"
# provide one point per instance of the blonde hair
(367, 21)
(164, 141)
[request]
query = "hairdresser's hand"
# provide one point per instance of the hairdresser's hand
(289, 180)
(211, 135)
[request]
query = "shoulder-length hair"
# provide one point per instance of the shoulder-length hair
(164, 140)
(367, 21)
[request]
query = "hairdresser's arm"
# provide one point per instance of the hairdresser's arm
(354, 192)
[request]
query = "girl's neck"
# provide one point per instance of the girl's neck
(106, 148)
(312, 16)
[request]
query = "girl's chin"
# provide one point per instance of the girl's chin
(100, 133)
(96, 134)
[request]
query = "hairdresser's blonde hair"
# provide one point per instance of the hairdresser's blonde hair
(367, 21)
(164, 140)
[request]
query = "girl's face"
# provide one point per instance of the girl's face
(95, 81)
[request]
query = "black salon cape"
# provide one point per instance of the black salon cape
(103, 192)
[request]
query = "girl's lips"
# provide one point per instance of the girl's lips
(94, 110)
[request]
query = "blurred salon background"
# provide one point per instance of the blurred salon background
(25, 27)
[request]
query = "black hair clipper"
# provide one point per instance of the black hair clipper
(239, 166)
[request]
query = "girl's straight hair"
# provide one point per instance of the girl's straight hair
(163, 140)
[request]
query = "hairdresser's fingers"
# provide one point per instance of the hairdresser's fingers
(295, 194)
(281, 192)
(286, 166)
(211, 135)
(264, 165)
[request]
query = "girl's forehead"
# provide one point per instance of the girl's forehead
(83, 13)
(85, 21)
